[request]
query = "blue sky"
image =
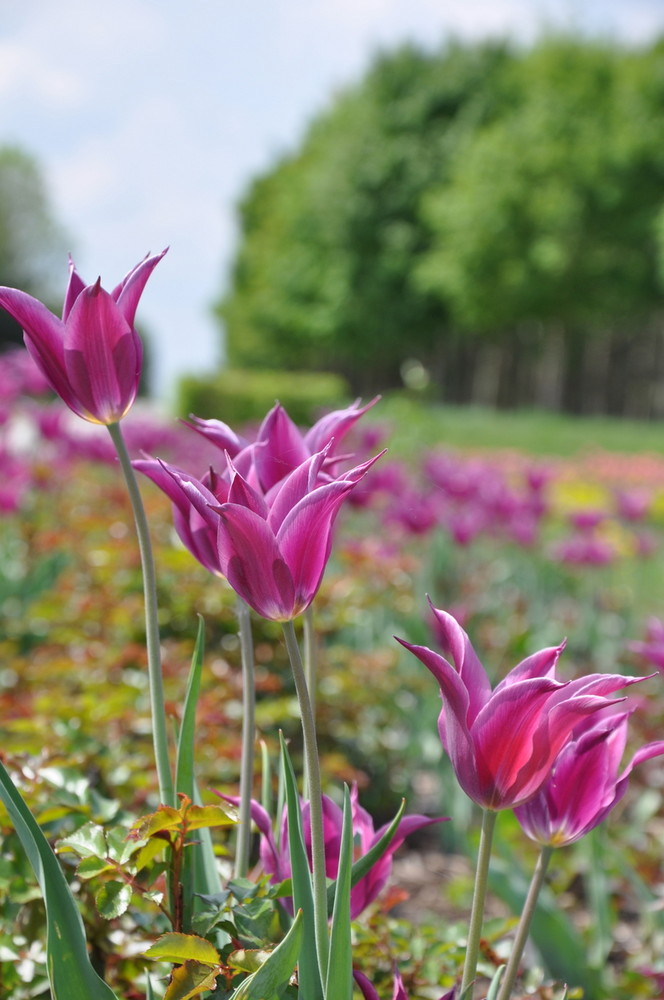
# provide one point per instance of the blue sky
(148, 118)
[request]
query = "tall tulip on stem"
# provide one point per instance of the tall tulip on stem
(92, 359)
(503, 742)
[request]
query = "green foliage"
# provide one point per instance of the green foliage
(244, 396)
(323, 278)
(32, 246)
(464, 199)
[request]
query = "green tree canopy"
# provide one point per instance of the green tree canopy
(476, 195)
(32, 244)
(324, 273)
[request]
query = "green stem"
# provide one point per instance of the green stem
(319, 884)
(479, 896)
(159, 732)
(248, 738)
(512, 968)
(310, 673)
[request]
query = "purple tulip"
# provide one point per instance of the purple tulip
(653, 646)
(503, 742)
(91, 357)
(275, 855)
(273, 549)
(193, 519)
(399, 993)
(584, 784)
(280, 446)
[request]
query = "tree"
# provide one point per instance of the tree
(323, 276)
(32, 244)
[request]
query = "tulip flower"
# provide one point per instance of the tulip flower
(273, 549)
(92, 356)
(503, 742)
(280, 446)
(399, 992)
(584, 784)
(275, 855)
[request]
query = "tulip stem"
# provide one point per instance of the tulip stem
(158, 709)
(309, 641)
(479, 896)
(512, 968)
(319, 883)
(248, 738)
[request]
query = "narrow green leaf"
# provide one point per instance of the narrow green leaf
(184, 766)
(268, 981)
(495, 983)
(339, 983)
(69, 970)
(308, 969)
(174, 947)
(368, 860)
(112, 899)
(149, 993)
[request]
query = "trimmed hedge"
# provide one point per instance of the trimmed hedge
(241, 396)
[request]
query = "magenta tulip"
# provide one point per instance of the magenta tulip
(273, 549)
(280, 446)
(584, 784)
(503, 742)
(275, 855)
(92, 356)
(368, 990)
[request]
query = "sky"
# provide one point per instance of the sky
(148, 119)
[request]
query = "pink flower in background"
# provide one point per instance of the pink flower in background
(275, 855)
(633, 505)
(652, 648)
(503, 742)
(584, 549)
(584, 784)
(91, 357)
(399, 992)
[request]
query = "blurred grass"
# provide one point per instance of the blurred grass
(413, 422)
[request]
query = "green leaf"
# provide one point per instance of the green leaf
(339, 983)
(308, 968)
(174, 947)
(90, 867)
(273, 975)
(87, 841)
(113, 899)
(223, 814)
(190, 980)
(495, 983)
(364, 864)
(70, 973)
(184, 766)
(165, 819)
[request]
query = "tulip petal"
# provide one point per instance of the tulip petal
(130, 289)
(286, 449)
(468, 667)
(253, 565)
(102, 356)
(335, 425)
(44, 336)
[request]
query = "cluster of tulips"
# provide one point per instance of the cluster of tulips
(262, 520)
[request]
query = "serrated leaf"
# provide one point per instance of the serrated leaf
(207, 816)
(268, 981)
(113, 899)
(90, 867)
(174, 947)
(148, 852)
(165, 819)
(118, 846)
(87, 841)
(190, 980)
